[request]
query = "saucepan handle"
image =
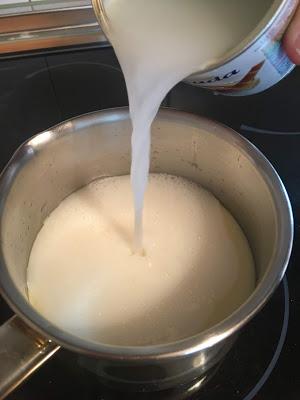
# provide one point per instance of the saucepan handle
(22, 351)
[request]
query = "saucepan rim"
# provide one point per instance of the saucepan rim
(190, 345)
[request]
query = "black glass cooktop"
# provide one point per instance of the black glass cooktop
(38, 92)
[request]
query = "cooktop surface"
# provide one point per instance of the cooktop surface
(38, 92)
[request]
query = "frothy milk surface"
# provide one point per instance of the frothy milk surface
(158, 44)
(83, 276)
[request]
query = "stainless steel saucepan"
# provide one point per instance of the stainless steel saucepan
(55, 163)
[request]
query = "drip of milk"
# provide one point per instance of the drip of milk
(158, 44)
(83, 277)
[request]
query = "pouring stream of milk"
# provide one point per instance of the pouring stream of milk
(158, 44)
(192, 277)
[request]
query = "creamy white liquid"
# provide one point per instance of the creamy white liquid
(159, 43)
(197, 268)
(83, 277)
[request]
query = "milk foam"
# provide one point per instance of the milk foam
(83, 276)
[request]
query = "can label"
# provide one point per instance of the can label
(259, 67)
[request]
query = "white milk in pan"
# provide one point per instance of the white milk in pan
(83, 276)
